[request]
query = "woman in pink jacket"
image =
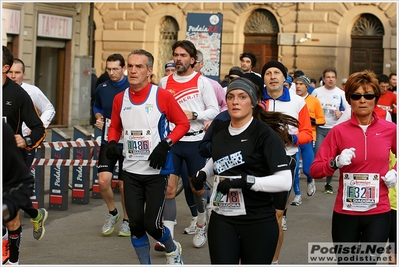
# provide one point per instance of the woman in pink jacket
(359, 148)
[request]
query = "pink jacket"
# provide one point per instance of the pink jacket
(372, 156)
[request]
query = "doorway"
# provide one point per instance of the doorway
(49, 76)
(367, 45)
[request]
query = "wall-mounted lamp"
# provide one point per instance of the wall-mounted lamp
(302, 40)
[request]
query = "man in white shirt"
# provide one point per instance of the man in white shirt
(333, 101)
(197, 98)
(42, 103)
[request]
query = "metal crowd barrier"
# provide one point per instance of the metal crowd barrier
(85, 153)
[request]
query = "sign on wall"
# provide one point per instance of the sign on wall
(12, 20)
(54, 26)
(205, 31)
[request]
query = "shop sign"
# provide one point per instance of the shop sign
(54, 26)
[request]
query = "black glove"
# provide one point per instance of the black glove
(226, 184)
(158, 156)
(198, 180)
(113, 151)
(313, 121)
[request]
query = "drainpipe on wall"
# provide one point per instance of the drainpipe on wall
(296, 32)
(90, 33)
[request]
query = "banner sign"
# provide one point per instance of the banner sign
(205, 32)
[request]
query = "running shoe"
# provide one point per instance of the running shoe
(124, 229)
(11, 263)
(175, 257)
(311, 188)
(38, 226)
(328, 189)
(297, 200)
(6, 249)
(284, 223)
(110, 221)
(193, 226)
(159, 246)
(199, 238)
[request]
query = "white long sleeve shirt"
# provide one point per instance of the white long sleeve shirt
(42, 103)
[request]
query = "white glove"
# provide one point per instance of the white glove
(345, 158)
(390, 178)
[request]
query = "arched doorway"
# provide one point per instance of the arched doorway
(366, 49)
(260, 32)
(168, 36)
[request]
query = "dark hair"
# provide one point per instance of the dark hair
(330, 70)
(249, 55)
(150, 62)
(362, 79)
(383, 78)
(313, 81)
(116, 57)
(17, 60)
(8, 58)
(188, 46)
(392, 74)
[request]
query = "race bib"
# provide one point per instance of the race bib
(137, 144)
(231, 204)
(360, 191)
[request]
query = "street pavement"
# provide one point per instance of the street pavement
(73, 236)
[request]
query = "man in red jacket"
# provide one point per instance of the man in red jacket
(142, 114)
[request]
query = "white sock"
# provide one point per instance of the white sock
(275, 262)
(201, 218)
(171, 226)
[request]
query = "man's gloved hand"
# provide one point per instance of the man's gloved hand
(158, 156)
(226, 184)
(113, 151)
(345, 158)
(390, 178)
(198, 180)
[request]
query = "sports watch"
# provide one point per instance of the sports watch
(333, 164)
(28, 141)
(169, 142)
(195, 115)
(250, 180)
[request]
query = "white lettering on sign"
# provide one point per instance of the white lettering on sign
(54, 26)
(11, 20)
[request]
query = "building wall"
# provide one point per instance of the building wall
(122, 27)
(24, 46)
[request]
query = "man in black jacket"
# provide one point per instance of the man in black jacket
(17, 108)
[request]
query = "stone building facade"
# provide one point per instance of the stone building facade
(53, 41)
(309, 36)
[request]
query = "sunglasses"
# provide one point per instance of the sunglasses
(366, 96)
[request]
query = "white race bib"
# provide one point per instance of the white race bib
(360, 191)
(231, 204)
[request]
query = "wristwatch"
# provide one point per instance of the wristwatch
(28, 141)
(195, 115)
(169, 142)
(333, 164)
(250, 180)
